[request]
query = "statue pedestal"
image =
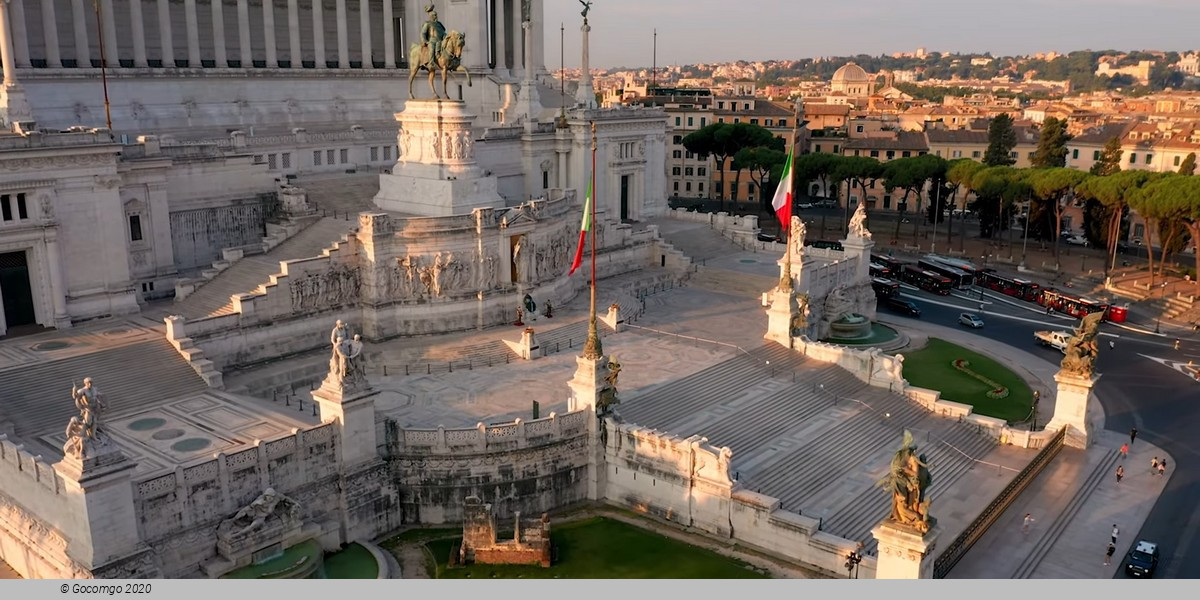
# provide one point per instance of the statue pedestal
(436, 174)
(781, 316)
(1072, 403)
(587, 390)
(904, 553)
(353, 408)
(100, 488)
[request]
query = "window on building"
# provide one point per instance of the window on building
(344, 154)
(1095, 155)
(858, 128)
(12, 208)
(1013, 154)
(675, 171)
(750, 189)
(874, 154)
(906, 154)
(700, 187)
(1149, 157)
(721, 105)
(783, 122)
(676, 183)
(286, 160)
(690, 121)
(545, 180)
(720, 188)
(703, 121)
(677, 139)
(816, 147)
(688, 154)
(678, 121)
(271, 164)
(891, 154)
(976, 154)
(745, 106)
(754, 121)
(689, 186)
(329, 157)
(259, 159)
(676, 154)
(872, 185)
(769, 122)
(688, 171)
(387, 153)
(135, 228)
(1177, 160)
(22, 212)
(835, 148)
(856, 152)
(720, 119)
(702, 171)
(887, 201)
(1075, 154)
(316, 158)
(1132, 157)
(374, 153)
(737, 120)
(1030, 155)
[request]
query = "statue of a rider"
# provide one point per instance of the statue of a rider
(432, 34)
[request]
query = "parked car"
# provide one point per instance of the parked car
(1143, 560)
(970, 320)
(767, 237)
(903, 306)
(828, 203)
(1076, 240)
(805, 205)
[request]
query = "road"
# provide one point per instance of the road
(1135, 389)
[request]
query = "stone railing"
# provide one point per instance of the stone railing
(15, 461)
(492, 438)
(741, 230)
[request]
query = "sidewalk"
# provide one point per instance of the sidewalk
(1074, 502)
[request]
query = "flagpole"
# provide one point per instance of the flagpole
(592, 348)
(785, 282)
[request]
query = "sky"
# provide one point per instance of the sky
(696, 31)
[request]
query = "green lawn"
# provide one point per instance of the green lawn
(353, 562)
(600, 548)
(932, 367)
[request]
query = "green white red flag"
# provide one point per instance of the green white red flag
(782, 202)
(584, 227)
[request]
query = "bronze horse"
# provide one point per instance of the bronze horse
(449, 59)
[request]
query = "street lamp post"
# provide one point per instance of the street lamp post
(1037, 397)
(1025, 242)
(852, 561)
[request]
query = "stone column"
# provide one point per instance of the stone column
(108, 21)
(364, 26)
(1072, 403)
(218, 27)
(243, 13)
(501, 57)
(164, 33)
(83, 52)
(389, 36)
(269, 33)
(20, 37)
(905, 553)
(518, 43)
(538, 60)
(58, 289)
(50, 27)
(14, 107)
(530, 103)
(585, 95)
(294, 35)
(318, 34)
(343, 42)
(561, 172)
(193, 33)
(138, 32)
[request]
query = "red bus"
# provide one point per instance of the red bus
(1010, 286)
(888, 262)
(1081, 307)
(926, 280)
(958, 278)
(885, 288)
(878, 270)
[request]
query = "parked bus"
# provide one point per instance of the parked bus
(960, 264)
(958, 278)
(1081, 307)
(878, 270)
(888, 262)
(885, 288)
(1010, 286)
(926, 280)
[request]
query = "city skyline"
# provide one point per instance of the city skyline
(623, 30)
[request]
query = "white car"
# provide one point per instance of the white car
(970, 320)
(805, 205)
(1076, 240)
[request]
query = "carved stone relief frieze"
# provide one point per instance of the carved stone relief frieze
(335, 286)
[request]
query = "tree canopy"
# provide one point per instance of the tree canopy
(1001, 140)
(1052, 146)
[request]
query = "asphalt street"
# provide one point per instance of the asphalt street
(1143, 384)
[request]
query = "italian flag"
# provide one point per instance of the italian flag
(782, 202)
(584, 227)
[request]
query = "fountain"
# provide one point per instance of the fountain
(850, 327)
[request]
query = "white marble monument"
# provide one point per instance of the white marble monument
(436, 174)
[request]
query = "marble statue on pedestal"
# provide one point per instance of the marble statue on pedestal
(1081, 352)
(438, 51)
(796, 233)
(858, 222)
(908, 481)
(83, 431)
(254, 516)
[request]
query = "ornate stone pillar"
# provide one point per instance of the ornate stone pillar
(904, 553)
(364, 21)
(518, 42)
(164, 33)
(58, 290)
(585, 95)
(218, 29)
(20, 37)
(389, 36)
(83, 52)
(50, 27)
(343, 42)
(269, 33)
(243, 13)
(1072, 405)
(14, 107)
(193, 33)
(294, 35)
(318, 20)
(500, 18)
(137, 29)
(538, 60)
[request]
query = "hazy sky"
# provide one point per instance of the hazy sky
(694, 31)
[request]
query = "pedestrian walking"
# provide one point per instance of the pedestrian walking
(1120, 473)
(1115, 531)
(1162, 467)
(1112, 345)
(1132, 435)
(1108, 554)
(1026, 523)
(1176, 344)
(1124, 450)
(1154, 465)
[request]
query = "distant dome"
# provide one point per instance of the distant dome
(850, 72)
